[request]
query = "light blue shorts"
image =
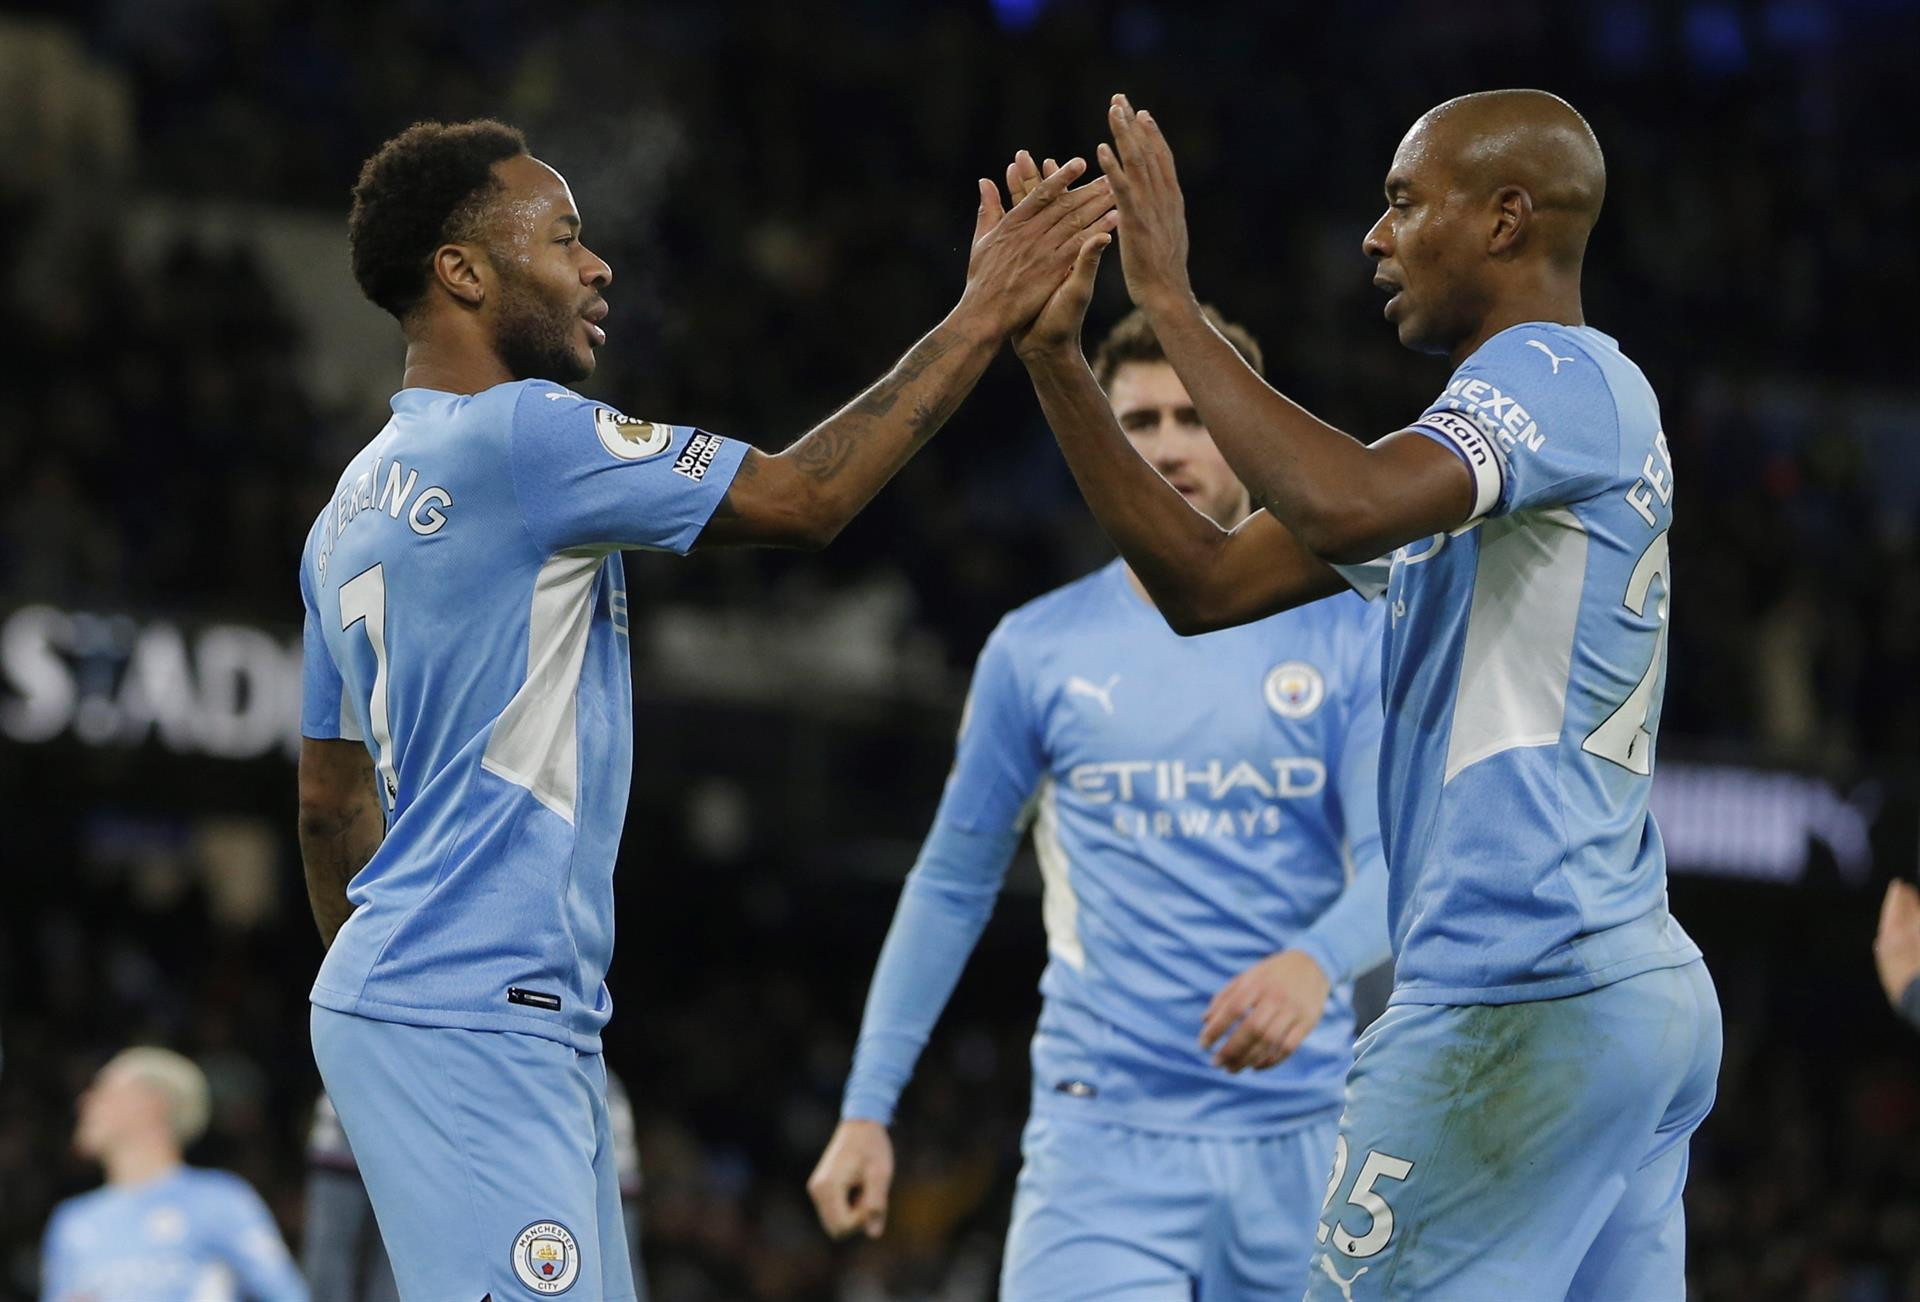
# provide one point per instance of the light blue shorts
(1513, 1152)
(488, 1156)
(1105, 1211)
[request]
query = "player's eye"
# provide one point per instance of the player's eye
(565, 239)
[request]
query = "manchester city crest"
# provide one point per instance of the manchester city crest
(1295, 689)
(545, 1257)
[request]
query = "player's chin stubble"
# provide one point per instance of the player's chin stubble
(538, 338)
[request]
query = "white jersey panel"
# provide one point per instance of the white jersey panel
(535, 745)
(1059, 908)
(1519, 646)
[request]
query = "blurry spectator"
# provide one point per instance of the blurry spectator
(1896, 949)
(159, 1230)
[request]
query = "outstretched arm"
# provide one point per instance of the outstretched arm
(804, 496)
(1201, 576)
(943, 908)
(1344, 500)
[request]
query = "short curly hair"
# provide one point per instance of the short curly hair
(1132, 340)
(425, 187)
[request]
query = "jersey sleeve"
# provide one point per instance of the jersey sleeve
(950, 893)
(253, 1249)
(1368, 578)
(587, 475)
(322, 713)
(1535, 428)
(1350, 938)
(56, 1260)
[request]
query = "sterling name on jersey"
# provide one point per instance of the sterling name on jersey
(1197, 805)
(466, 618)
(1524, 672)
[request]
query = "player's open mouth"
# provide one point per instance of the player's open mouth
(1393, 289)
(593, 316)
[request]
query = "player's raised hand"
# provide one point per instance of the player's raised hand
(850, 1184)
(1020, 255)
(1153, 216)
(1896, 946)
(1059, 321)
(1270, 1008)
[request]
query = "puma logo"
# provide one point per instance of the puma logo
(1346, 1285)
(1551, 356)
(1078, 686)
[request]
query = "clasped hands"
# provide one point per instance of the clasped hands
(1035, 257)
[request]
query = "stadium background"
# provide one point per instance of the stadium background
(784, 191)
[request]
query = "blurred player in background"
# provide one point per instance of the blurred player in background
(1896, 949)
(1207, 824)
(341, 1251)
(1517, 1121)
(159, 1230)
(467, 707)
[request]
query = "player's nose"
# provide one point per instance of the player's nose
(595, 273)
(1376, 243)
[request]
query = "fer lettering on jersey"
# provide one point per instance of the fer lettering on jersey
(1655, 481)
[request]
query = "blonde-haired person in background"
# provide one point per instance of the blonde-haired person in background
(159, 1230)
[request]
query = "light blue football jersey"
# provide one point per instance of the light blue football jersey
(1524, 670)
(1197, 804)
(466, 617)
(192, 1235)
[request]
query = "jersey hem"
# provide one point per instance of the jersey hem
(1056, 1106)
(1522, 992)
(453, 1019)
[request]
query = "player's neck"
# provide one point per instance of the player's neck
(140, 1162)
(451, 368)
(1559, 304)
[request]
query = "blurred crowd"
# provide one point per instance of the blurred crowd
(784, 192)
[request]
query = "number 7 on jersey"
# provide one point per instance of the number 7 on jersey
(363, 600)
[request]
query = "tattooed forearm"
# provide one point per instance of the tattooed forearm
(333, 847)
(805, 495)
(825, 452)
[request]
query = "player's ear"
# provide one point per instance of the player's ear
(456, 269)
(1512, 213)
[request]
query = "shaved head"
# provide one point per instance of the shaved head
(1526, 139)
(1490, 200)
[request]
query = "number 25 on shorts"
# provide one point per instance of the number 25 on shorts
(1377, 1166)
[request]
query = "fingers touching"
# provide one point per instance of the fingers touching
(990, 210)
